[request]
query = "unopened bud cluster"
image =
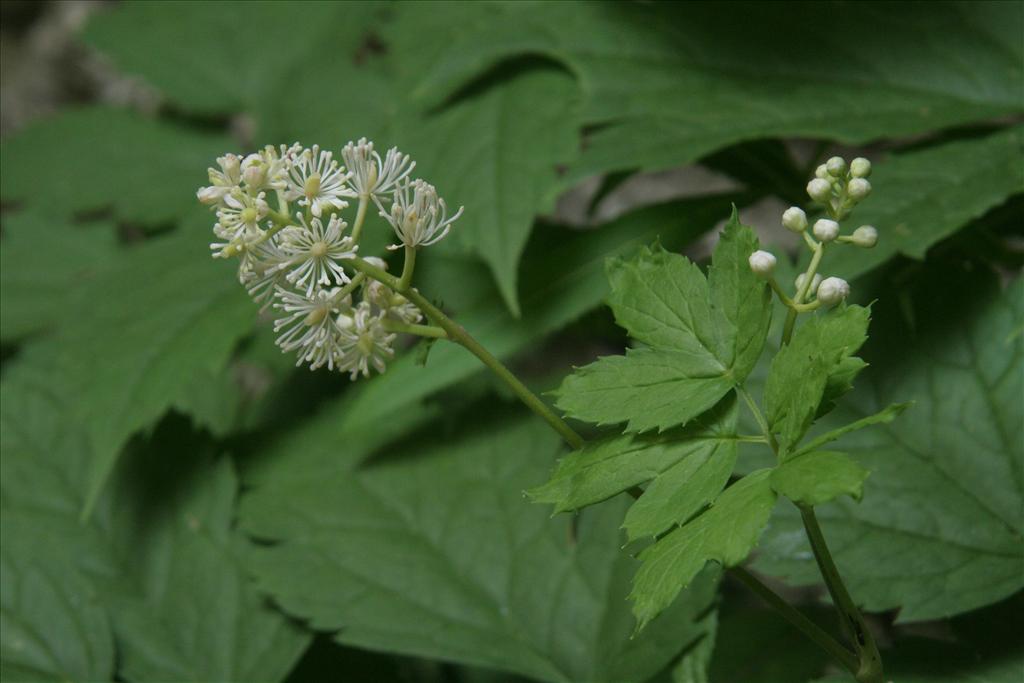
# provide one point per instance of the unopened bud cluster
(838, 187)
(295, 258)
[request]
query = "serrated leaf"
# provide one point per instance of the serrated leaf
(947, 484)
(150, 169)
(884, 416)
(725, 533)
(816, 477)
(705, 337)
(42, 260)
(647, 388)
(157, 562)
(609, 466)
(505, 584)
(800, 371)
(140, 331)
(678, 81)
(925, 196)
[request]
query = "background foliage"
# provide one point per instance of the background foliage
(179, 504)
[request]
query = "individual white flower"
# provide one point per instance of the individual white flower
(268, 168)
(826, 229)
(858, 189)
(418, 216)
(762, 263)
(314, 252)
(222, 181)
(832, 290)
(794, 219)
(240, 212)
(317, 181)
(865, 236)
(802, 278)
(394, 305)
(373, 177)
(309, 326)
(860, 168)
(836, 166)
(363, 342)
(820, 190)
(260, 269)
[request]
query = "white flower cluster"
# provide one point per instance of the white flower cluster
(298, 265)
(838, 187)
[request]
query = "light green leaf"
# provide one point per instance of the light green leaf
(146, 170)
(925, 196)
(42, 260)
(609, 466)
(883, 416)
(741, 301)
(207, 61)
(647, 388)
(725, 533)
(390, 558)
(800, 371)
(839, 383)
(140, 331)
(939, 530)
(816, 477)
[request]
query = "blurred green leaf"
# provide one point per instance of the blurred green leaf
(211, 59)
(157, 562)
(675, 81)
(93, 158)
(436, 539)
(140, 331)
(947, 484)
(924, 196)
(42, 261)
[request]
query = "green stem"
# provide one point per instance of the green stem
(407, 267)
(418, 330)
(457, 334)
(796, 618)
(869, 661)
(787, 330)
(357, 227)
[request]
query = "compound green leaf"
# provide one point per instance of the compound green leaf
(150, 168)
(939, 530)
(43, 260)
(389, 558)
(816, 477)
(725, 533)
(800, 371)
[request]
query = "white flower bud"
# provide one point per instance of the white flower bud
(858, 189)
(211, 195)
(820, 190)
(836, 166)
(794, 219)
(762, 263)
(860, 168)
(826, 229)
(865, 236)
(377, 262)
(832, 290)
(821, 172)
(254, 171)
(230, 165)
(802, 278)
